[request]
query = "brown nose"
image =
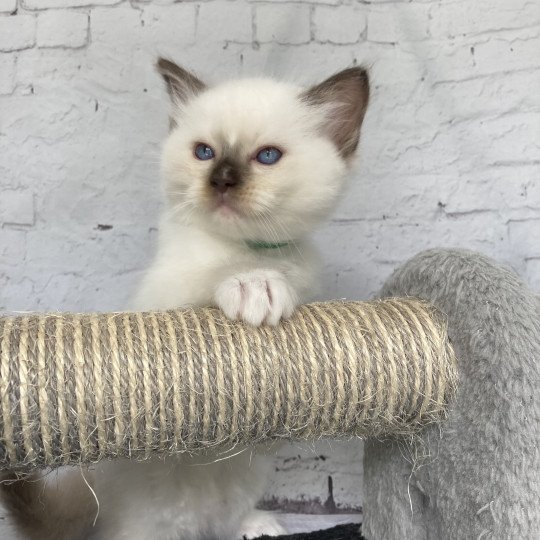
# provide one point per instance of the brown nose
(224, 176)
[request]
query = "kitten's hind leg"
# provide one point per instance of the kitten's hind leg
(258, 523)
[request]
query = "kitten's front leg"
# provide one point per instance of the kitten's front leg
(257, 296)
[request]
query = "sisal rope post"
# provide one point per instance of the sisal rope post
(77, 388)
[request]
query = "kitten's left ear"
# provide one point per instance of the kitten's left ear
(181, 84)
(345, 95)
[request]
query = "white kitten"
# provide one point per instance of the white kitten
(250, 167)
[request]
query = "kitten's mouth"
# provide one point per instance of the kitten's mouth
(225, 206)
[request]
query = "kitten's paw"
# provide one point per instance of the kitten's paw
(259, 523)
(257, 297)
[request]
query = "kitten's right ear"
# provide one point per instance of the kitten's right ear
(346, 95)
(181, 84)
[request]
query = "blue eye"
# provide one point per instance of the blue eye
(269, 155)
(204, 152)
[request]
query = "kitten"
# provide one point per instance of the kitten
(250, 168)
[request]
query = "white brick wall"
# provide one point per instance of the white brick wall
(46, 4)
(284, 23)
(62, 29)
(224, 21)
(449, 156)
(7, 74)
(391, 23)
(17, 207)
(17, 32)
(8, 6)
(340, 27)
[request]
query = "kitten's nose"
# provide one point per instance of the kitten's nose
(224, 176)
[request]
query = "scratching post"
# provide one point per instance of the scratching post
(79, 388)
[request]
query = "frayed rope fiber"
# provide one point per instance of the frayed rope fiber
(76, 388)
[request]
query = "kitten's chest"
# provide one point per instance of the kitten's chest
(185, 271)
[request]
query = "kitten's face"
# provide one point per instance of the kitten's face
(251, 159)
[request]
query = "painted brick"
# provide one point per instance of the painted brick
(120, 26)
(490, 95)
(7, 73)
(17, 296)
(165, 20)
(140, 3)
(413, 197)
(395, 241)
(283, 24)
(116, 38)
(35, 121)
(325, 2)
(450, 61)
(12, 247)
(195, 58)
(302, 468)
(225, 21)
(398, 22)
(17, 32)
(523, 236)
(8, 6)
(62, 28)
(339, 25)
(512, 139)
(503, 52)
(533, 274)
(40, 69)
(17, 207)
(508, 53)
(46, 4)
(69, 255)
(286, 61)
(171, 26)
(500, 188)
(463, 18)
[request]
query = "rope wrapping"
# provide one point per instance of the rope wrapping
(77, 388)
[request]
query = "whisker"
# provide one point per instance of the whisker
(279, 224)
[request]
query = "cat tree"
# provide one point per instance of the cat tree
(442, 460)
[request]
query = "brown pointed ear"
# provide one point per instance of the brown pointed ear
(181, 84)
(345, 95)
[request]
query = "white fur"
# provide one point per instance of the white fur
(203, 259)
(187, 498)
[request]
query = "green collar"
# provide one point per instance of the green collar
(257, 245)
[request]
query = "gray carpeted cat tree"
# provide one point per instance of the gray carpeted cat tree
(444, 459)
(477, 475)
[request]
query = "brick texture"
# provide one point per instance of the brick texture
(62, 29)
(286, 23)
(8, 6)
(7, 73)
(17, 207)
(17, 33)
(47, 4)
(224, 21)
(392, 23)
(449, 154)
(339, 25)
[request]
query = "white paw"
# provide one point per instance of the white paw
(257, 297)
(259, 523)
